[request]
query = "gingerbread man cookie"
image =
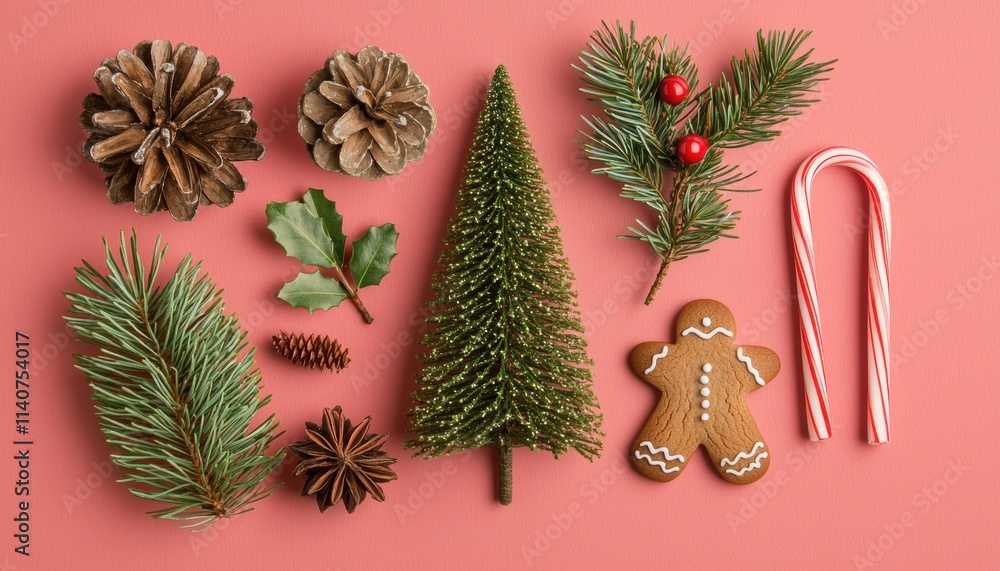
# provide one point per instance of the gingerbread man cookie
(704, 379)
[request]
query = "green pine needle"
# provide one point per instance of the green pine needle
(633, 138)
(506, 362)
(175, 390)
(766, 87)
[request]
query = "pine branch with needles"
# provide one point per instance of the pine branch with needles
(174, 387)
(635, 136)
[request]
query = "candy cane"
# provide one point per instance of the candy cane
(817, 405)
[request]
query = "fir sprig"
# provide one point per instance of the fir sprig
(766, 88)
(634, 136)
(175, 389)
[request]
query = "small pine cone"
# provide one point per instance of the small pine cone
(314, 351)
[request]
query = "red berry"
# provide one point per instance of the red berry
(673, 89)
(691, 148)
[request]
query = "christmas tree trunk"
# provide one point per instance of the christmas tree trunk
(505, 363)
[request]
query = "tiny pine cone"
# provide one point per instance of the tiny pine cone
(314, 352)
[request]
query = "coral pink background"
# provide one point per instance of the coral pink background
(912, 89)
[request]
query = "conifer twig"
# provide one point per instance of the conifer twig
(634, 136)
(175, 389)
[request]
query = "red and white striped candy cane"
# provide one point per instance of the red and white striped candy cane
(817, 405)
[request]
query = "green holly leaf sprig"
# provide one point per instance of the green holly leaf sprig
(312, 231)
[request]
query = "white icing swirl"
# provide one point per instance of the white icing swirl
(659, 463)
(741, 455)
(663, 450)
(746, 360)
(749, 467)
(657, 357)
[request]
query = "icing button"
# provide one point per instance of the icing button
(705, 403)
(704, 416)
(705, 392)
(705, 321)
(707, 367)
(704, 379)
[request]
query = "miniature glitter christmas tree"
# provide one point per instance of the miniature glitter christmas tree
(505, 362)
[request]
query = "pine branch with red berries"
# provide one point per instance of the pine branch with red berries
(665, 146)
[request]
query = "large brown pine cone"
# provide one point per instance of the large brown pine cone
(163, 131)
(365, 115)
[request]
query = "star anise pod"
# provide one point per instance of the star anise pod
(163, 131)
(341, 461)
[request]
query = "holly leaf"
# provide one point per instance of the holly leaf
(302, 234)
(372, 254)
(333, 222)
(313, 291)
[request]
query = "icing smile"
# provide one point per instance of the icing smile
(706, 322)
